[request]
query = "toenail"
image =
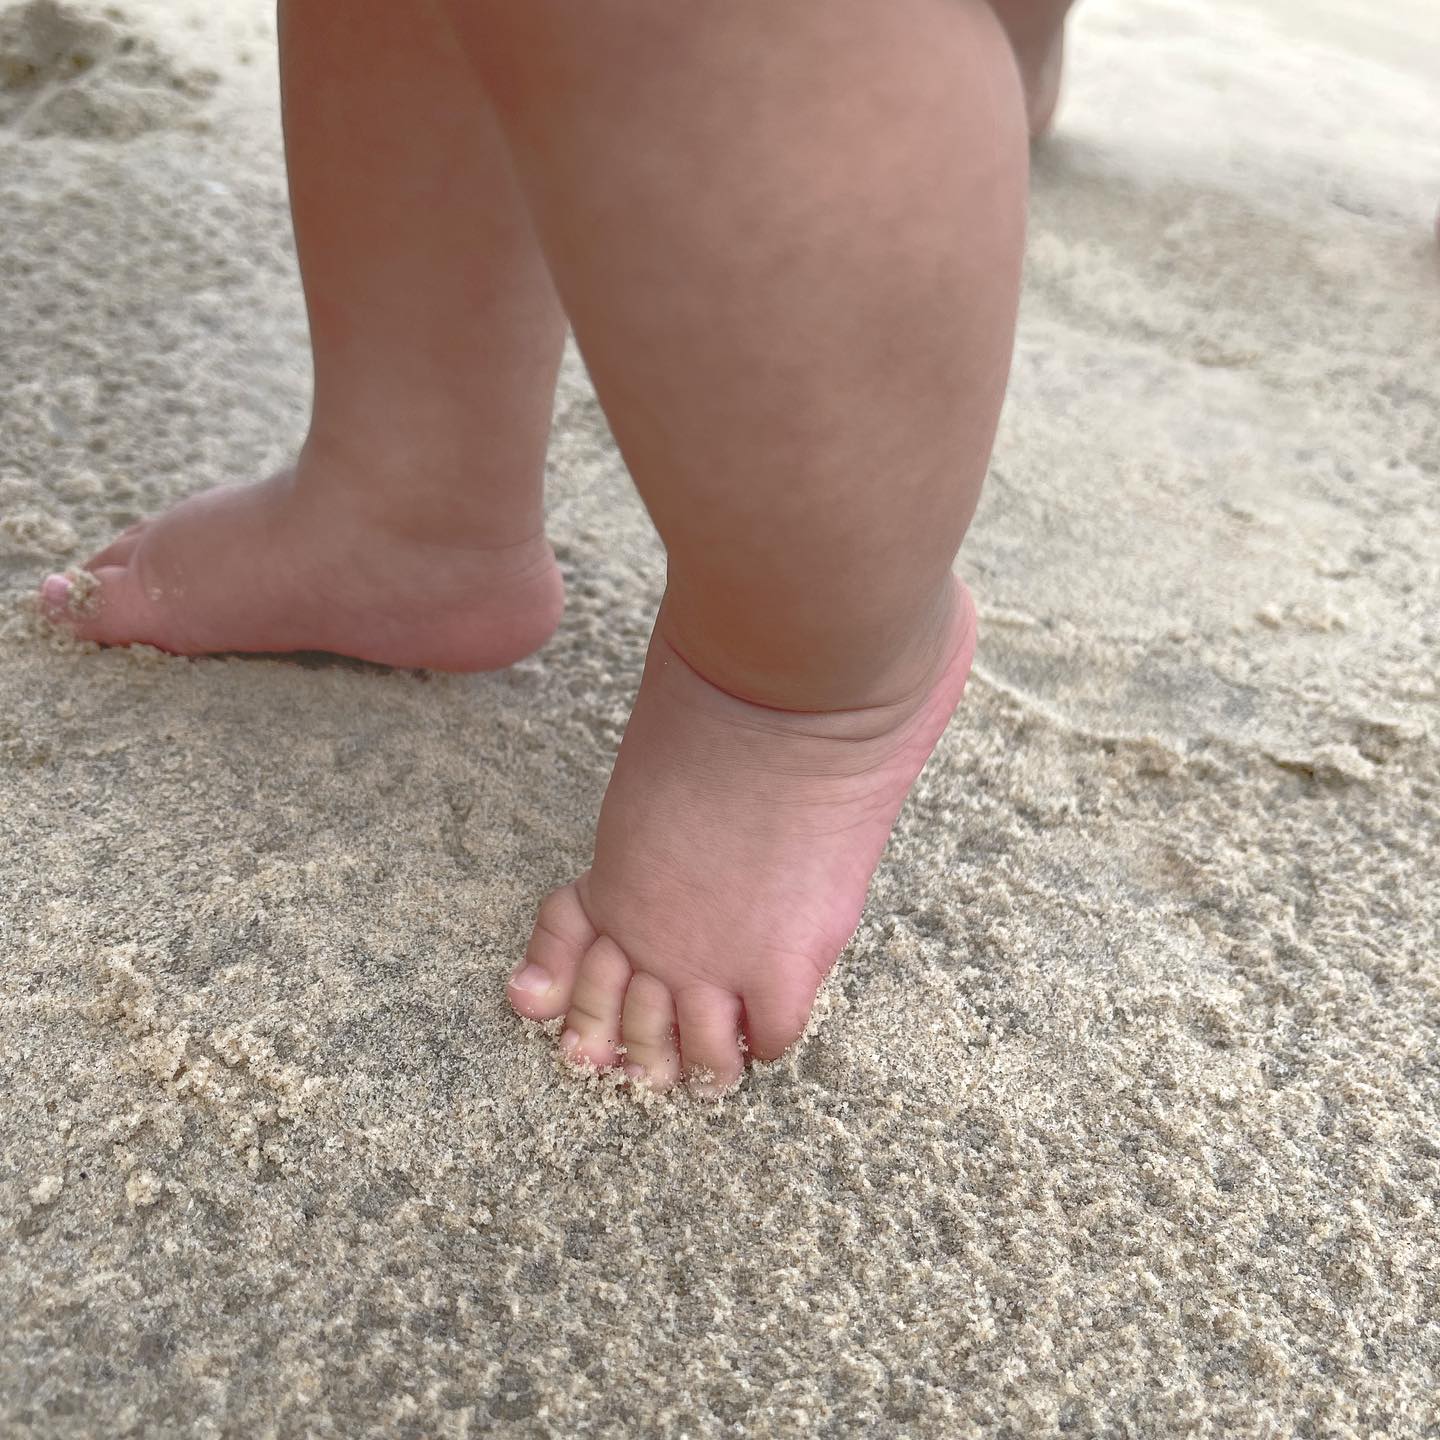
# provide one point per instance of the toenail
(56, 593)
(570, 1041)
(530, 980)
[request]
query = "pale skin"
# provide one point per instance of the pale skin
(1036, 31)
(787, 236)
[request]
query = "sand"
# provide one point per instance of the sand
(1122, 1116)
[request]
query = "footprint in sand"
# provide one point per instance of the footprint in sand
(88, 75)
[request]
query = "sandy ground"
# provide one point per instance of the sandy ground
(1122, 1114)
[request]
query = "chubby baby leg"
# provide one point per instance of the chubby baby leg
(789, 240)
(410, 529)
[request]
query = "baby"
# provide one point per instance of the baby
(787, 235)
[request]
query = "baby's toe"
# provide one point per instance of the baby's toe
(648, 1025)
(592, 1023)
(710, 1040)
(543, 982)
(107, 605)
(775, 1020)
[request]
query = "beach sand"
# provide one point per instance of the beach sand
(1122, 1112)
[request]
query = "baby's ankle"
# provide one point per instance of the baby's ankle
(834, 674)
(418, 497)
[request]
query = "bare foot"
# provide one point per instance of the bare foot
(1036, 29)
(292, 564)
(735, 849)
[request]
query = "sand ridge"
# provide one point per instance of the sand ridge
(1122, 1114)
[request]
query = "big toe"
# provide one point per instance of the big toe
(107, 605)
(543, 982)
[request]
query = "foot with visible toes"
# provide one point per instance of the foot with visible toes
(734, 852)
(303, 562)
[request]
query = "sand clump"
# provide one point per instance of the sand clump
(89, 75)
(1120, 1114)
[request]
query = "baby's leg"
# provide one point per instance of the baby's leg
(788, 236)
(1036, 30)
(410, 530)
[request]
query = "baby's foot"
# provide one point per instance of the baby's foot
(1037, 35)
(734, 852)
(275, 567)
